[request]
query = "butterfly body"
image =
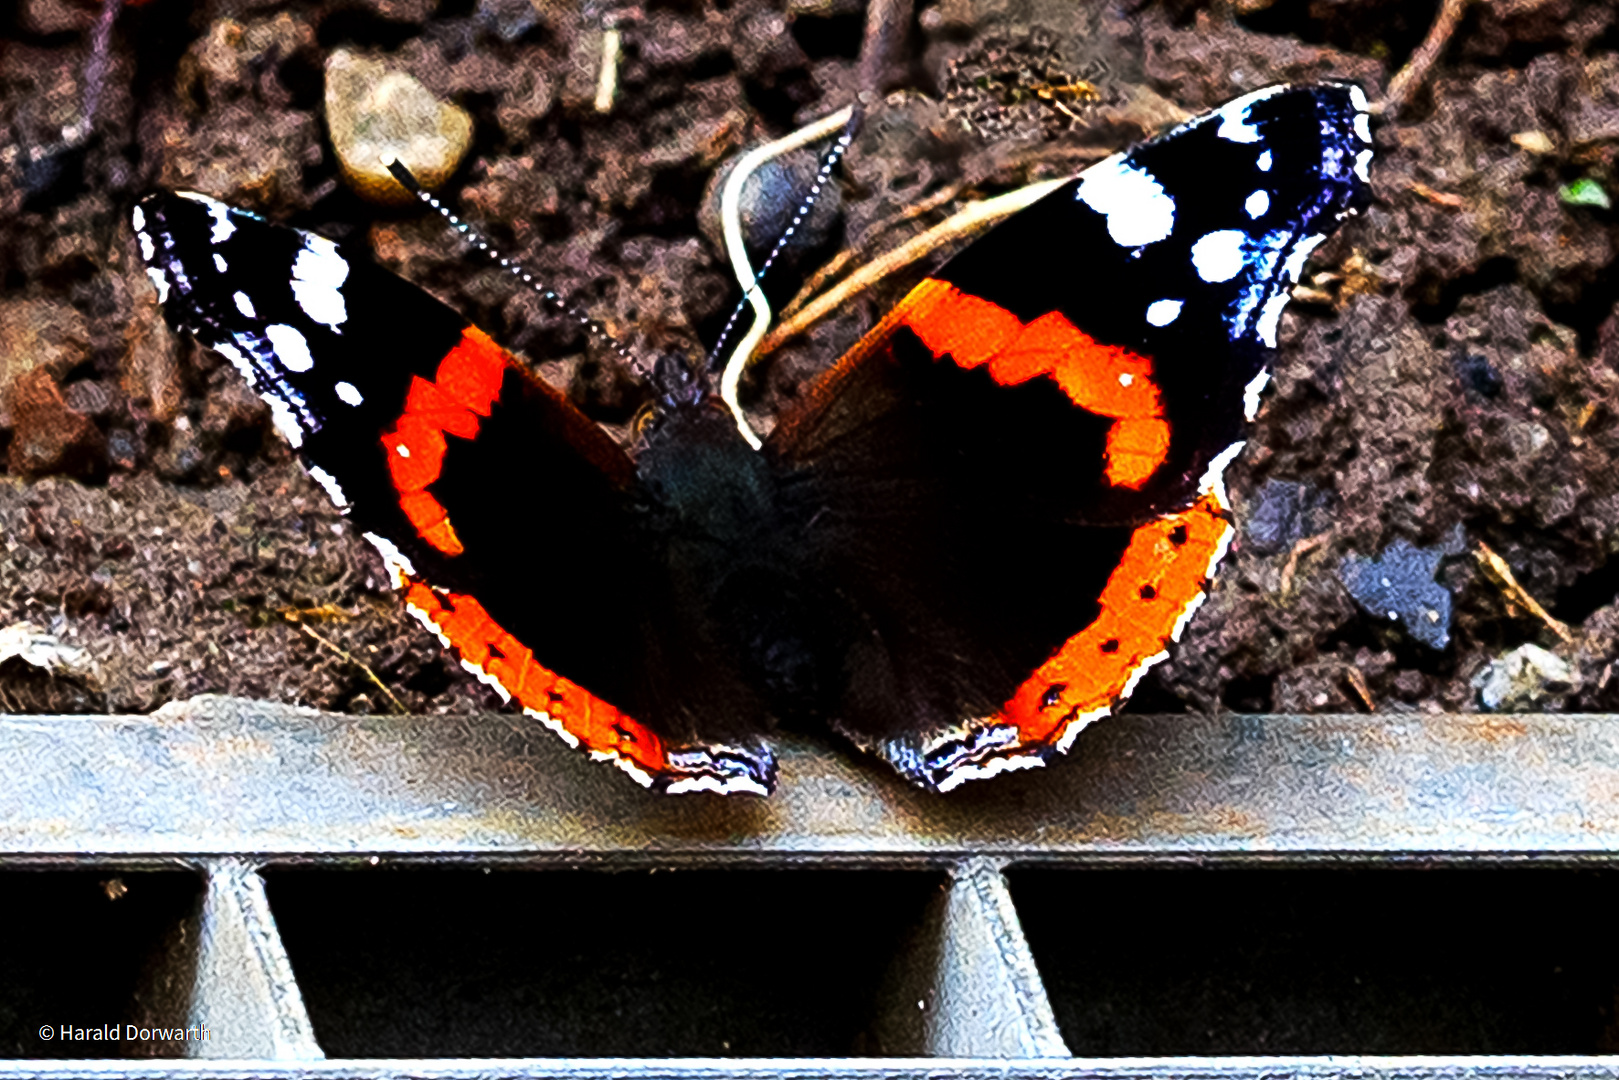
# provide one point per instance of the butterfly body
(969, 539)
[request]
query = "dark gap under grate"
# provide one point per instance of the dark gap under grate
(1181, 961)
(589, 963)
(80, 948)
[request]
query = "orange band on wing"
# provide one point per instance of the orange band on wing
(484, 644)
(1164, 573)
(465, 387)
(1108, 380)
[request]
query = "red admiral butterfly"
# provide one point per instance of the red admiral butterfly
(970, 539)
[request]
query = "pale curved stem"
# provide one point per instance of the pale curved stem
(731, 221)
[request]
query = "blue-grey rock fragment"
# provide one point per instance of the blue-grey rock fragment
(1399, 585)
(1284, 511)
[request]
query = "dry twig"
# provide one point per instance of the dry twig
(835, 265)
(1438, 198)
(1496, 568)
(1357, 683)
(399, 706)
(320, 613)
(607, 80)
(886, 24)
(972, 219)
(1303, 547)
(1408, 80)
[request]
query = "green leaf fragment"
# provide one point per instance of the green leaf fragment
(1585, 192)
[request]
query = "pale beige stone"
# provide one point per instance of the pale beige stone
(373, 112)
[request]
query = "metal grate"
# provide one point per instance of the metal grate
(242, 793)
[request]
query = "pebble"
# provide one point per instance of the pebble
(38, 649)
(770, 198)
(48, 334)
(42, 675)
(48, 437)
(1523, 679)
(372, 111)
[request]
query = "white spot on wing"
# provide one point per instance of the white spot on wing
(1221, 546)
(220, 264)
(348, 393)
(1251, 392)
(999, 764)
(1264, 162)
(638, 774)
(329, 482)
(1214, 477)
(1294, 266)
(238, 360)
(555, 725)
(1234, 123)
(1257, 204)
(290, 347)
(1218, 255)
(223, 226)
(417, 613)
(1270, 316)
(1078, 724)
(487, 679)
(1179, 628)
(404, 451)
(1363, 127)
(1164, 312)
(1139, 673)
(1362, 162)
(398, 566)
(1125, 378)
(283, 419)
(1137, 209)
(137, 217)
(160, 281)
(245, 305)
(716, 785)
(318, 274)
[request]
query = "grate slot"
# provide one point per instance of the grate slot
(1308, 961)
(90, 949)
(588, 963)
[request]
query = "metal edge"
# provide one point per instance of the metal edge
(1193, 1068)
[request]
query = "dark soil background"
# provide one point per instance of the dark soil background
(1449, 376)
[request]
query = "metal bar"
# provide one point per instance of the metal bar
(969, 987)
(1313, 1068)
(275, 783)
(243, 994)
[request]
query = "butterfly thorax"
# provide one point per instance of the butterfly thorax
(701, 481)
(714, 509)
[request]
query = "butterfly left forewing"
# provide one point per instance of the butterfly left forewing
(508, 518)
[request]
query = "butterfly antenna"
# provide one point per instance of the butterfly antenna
(549, 295)
(730, 215)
